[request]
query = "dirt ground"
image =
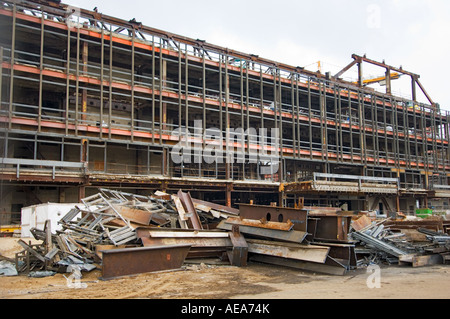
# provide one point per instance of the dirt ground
(255, 281)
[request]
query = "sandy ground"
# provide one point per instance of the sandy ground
(256, 281)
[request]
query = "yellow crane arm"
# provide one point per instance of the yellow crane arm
(394, 76)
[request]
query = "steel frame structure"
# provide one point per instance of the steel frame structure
(78, 86)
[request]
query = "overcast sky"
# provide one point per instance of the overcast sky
(414, 34)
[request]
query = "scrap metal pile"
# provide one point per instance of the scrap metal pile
(110, 220)
(418, 243)
(124, 234)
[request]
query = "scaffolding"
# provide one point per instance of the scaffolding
(89, 100)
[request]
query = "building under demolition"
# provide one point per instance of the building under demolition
(89, 100)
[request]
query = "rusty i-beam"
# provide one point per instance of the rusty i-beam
(132, 261)
(189, 207)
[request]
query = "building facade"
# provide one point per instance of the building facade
(89, 100)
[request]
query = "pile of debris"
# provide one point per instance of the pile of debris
(124, 234)
(111, 220)
(404, 242)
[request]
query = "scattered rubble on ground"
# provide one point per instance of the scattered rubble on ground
(124, 234)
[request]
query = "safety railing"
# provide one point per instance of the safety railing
(21, 165)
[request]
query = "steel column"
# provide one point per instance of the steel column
(67, 83)
(102, 65)
(153, 89)
(12, 62)
(1, 86)
(309, 120)
(41, 68)
(132, 71)
(77, 82)
(351, 125)
(111, 45)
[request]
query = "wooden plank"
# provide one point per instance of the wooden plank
(303, 252)
(295, 236)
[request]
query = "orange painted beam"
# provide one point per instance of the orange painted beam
(169, 94)
(137, 44)
(172, 139)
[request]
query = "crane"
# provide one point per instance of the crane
(380, 79)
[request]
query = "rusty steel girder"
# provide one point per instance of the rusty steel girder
(276, 214)
(189, 207)
(132, 261)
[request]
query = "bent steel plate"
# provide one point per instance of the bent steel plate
(133, 261)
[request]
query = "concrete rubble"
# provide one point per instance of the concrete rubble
(124, 234)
